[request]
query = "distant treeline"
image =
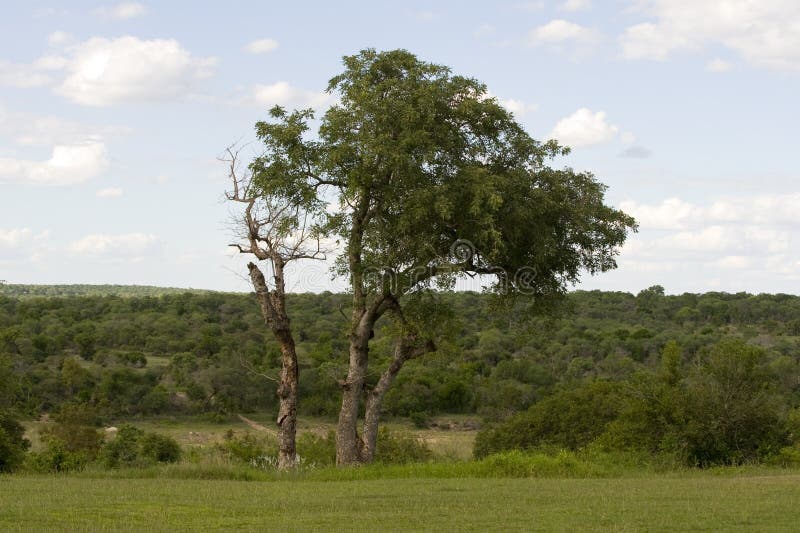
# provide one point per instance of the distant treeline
(194, 352)
(31, 291)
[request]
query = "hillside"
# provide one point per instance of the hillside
(179, 351)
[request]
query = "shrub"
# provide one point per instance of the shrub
(568, 419)
(248, 447)
(160, 448)
(393, 447)
(75, 427)
(315, 450)
(420, 419)
(134, 447)
(12, 443)
(57, 457)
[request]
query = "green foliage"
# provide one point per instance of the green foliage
(395, 447)
(56, 457)
(315, 450)
(13, 444)
(568, 419)
(133, 447)
(248, 448)
(74, 429)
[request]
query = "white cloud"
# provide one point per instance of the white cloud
(115, 246)
(736, 242)
(68, 164)
(764, 32)
(59, 38)
(576, 5)
(674, 213)
(32, 130)
(15, 237)
(718, 65)
(103, 72)
(111, 192)
(21, 76)
(262, 46)
(561, 31)
(283, 94)
(584, 128)
(123, 11)
(518, 107)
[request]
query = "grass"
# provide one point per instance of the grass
(656, 503)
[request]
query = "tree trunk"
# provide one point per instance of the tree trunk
(348, 443)
(273, 308)
(287, 403)
(406, 349)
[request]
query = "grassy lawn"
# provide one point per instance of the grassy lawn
(658, 503)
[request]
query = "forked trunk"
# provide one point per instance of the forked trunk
(405, 350)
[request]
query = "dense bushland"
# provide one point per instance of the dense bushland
(644, 371)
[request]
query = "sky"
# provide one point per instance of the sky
(113, 116)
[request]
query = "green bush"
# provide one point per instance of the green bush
(315, 450)
(248, 447)
(420, 419)
(57, 457)
(568, 419)
(75, 427)
(12, 443)
(394, 447)
(160, 448)
(134, 447)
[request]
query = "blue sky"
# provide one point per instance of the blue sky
(112, 116)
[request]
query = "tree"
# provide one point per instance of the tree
(277, 228)
(432, 180)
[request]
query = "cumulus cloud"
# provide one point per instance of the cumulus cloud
(102, 72)
(561, 31)
(262, 46)
(122, 11)
(764, 33)
(111, 192)
(518, 107)
(576, 5)
(68, 164)
(284, 94)
(124, 246)
(584, 128)
(34, 130)
(730, 243)
(12, 238)
(22, 76)
(59, 38)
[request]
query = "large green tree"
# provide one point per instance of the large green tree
(428, 179)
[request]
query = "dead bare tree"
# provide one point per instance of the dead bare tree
(275, 232)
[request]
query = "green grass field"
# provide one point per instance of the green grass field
(691, 502)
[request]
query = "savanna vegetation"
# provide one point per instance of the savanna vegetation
(691, 379)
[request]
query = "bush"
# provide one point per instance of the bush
(160, 448)
(248, 447)
(134, 447)
(315, 450)
(394, 447)
(57, 457)
(568, 419)
(420, 419)
(75, 427)
(12, 443)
